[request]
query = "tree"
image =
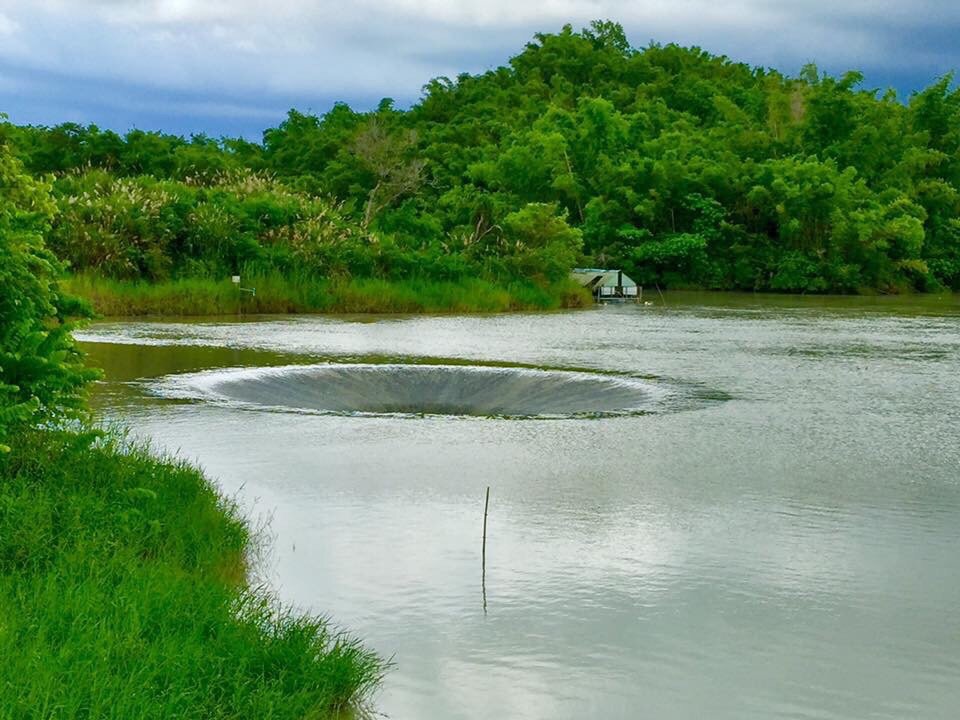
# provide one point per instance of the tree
(608, 34)
(541, 242)
(41, 370)
(389, 158)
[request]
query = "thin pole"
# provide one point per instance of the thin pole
(483, 571)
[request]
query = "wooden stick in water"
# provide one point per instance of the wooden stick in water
(483, 575)
(663, 300)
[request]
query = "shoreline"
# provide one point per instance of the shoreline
(277, 295)
(145, 585)
(199, 298)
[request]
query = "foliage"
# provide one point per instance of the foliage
(538, 241)
(41, 372)
(276, 293)
(681, 167)
(142, 227)
(387, 157)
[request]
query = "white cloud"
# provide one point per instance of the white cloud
(7, 26)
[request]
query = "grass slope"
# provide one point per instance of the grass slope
(123, 594)
(277, 294)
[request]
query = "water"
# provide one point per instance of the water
(775, 537)
(422, 389)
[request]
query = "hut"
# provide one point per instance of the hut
(607, 285)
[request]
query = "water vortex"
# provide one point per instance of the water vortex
(414, 389)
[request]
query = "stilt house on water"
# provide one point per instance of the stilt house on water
(606, 285)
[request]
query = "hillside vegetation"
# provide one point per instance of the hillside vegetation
(683, 168)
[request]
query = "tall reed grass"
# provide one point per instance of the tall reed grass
(278, 294)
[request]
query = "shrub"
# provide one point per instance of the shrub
(41, 371)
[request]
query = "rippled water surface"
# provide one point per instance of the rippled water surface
(771, 530)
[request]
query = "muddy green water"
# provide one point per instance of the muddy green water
(770, 530)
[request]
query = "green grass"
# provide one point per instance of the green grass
(278, 294)
(123, 594)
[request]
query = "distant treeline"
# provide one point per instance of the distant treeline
(683, 168)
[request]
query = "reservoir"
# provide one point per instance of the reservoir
(722, 506)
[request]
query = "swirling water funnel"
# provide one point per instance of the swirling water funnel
(415, 389)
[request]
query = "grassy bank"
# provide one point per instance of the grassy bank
(123, 594)
(277, 294)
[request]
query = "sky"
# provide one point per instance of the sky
(234, 67)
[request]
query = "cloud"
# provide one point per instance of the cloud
(241, 57)
(7, 26)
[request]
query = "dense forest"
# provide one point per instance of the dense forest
(683, 168)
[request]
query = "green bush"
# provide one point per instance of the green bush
(41, 372)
